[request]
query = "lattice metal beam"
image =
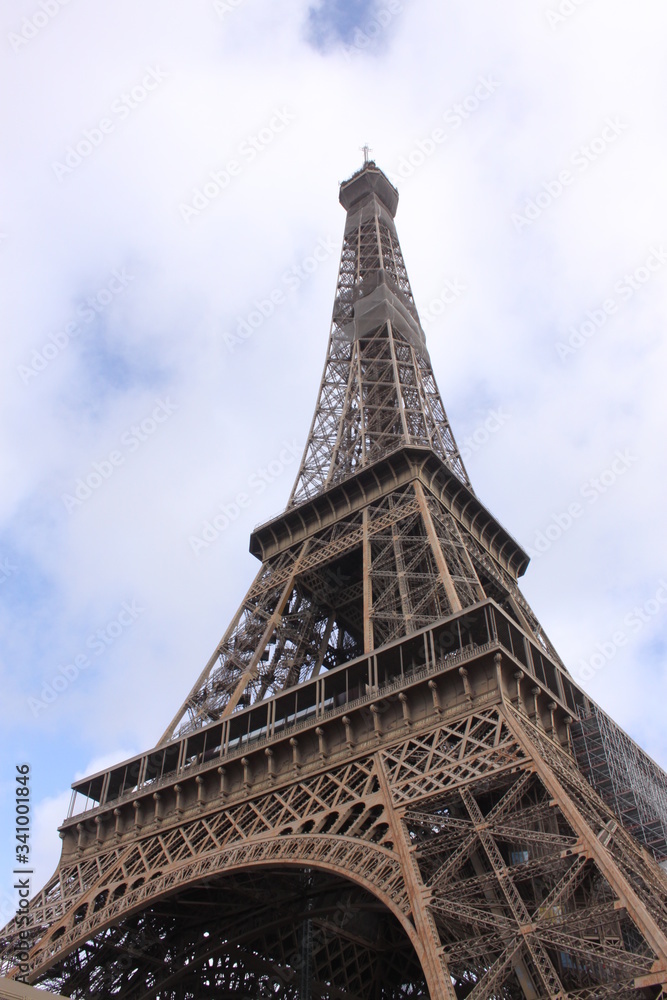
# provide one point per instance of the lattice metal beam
(370, 790)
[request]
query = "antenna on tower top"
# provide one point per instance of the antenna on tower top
(366, 149)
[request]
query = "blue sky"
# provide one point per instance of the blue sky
(168, 168)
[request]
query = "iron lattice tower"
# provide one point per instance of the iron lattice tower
(384, 783)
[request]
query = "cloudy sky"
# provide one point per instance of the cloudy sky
(171, 170)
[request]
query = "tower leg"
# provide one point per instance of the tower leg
(434, 966)
(611, 844)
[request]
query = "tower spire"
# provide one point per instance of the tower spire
(378, 391)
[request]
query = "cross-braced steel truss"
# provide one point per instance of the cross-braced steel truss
(378, 390)
(462, 858)
(385, 570)
(371, 790)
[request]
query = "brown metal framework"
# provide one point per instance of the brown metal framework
(372, 790)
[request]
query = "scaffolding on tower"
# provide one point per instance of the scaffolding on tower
(625, 777)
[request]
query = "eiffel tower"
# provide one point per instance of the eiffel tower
(384, 783)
